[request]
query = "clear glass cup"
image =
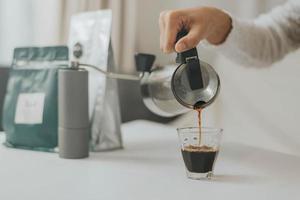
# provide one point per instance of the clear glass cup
(199, 152)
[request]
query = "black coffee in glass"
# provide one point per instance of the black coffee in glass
(199, 159)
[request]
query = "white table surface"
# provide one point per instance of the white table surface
(149, 168)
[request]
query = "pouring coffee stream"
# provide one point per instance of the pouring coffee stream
(202, 81)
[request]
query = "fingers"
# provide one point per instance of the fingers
(161, 29)
(169, 25)
(191, 40)
(196, 20)
(172, 26)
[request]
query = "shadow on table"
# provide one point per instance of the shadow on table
(150, 160)
(263, 165)
(155, 153)
(268, 163)
(240, 179)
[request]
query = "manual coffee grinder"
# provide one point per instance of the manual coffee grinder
(73, 108)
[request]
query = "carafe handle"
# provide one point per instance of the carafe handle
(183, 56)
(190, 58)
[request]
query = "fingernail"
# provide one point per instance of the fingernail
(181, 46)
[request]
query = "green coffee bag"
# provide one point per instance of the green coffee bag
(30, 106)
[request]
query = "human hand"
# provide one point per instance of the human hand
(207, 23)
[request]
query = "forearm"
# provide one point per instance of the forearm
(265, 40)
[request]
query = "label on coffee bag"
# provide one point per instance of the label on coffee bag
(30, 108)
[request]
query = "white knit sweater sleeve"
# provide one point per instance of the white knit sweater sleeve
(265, 40)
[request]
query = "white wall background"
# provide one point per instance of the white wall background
(27, 23)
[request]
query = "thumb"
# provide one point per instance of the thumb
(189, 41)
